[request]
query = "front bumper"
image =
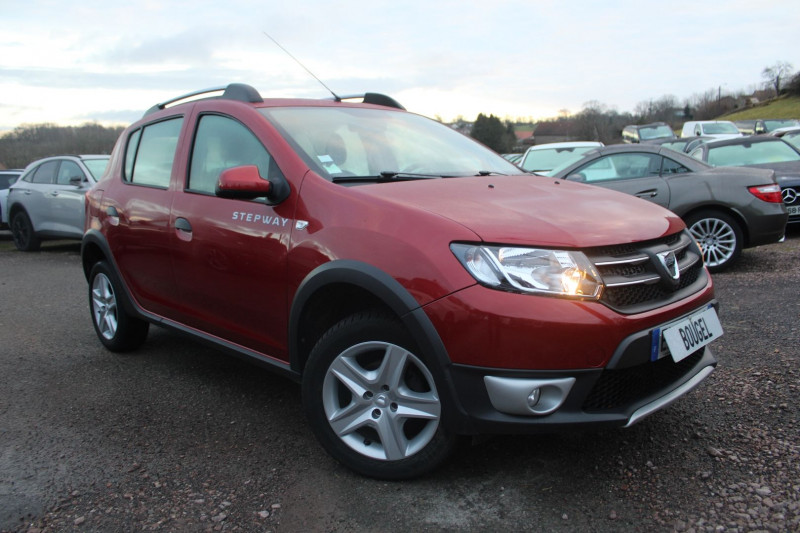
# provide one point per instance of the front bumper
(631, 387)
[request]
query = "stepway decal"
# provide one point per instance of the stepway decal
(256, 218)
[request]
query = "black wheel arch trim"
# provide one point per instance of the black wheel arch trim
(389, 291)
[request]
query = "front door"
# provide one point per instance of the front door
(229, 257)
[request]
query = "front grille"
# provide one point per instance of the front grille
(634, 279)
(793, 195)
(621, 388)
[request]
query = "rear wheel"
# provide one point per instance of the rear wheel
(372, 400)
(719, 237)
(22, 231)
(116, 329)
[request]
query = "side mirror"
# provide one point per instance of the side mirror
(77, 181)
(576, 177)
(246, 183)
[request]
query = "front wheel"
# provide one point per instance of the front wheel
(372, 400)
(25, 238)
(116, 329)
(719, 236)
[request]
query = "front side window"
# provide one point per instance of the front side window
(222, 143)
(149, 160)
(69, 173)
(621, 166)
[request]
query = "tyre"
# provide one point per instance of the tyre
(719, 236)
(372, 400)
(22, 231)
(116, 329)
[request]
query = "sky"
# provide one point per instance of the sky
(69, 63)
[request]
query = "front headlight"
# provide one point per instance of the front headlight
(531, 270)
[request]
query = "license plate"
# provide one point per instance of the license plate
(685, 336)
(793, 209)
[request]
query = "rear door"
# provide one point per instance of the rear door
(137, 207)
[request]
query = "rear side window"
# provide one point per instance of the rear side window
(670, 166)
(151, 152)
(44, 173)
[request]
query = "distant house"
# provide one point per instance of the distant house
(554, 131)
(525, 138)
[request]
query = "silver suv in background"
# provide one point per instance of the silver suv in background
(47, 201)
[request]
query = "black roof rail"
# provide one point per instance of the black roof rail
(234, 91)
(373, 98)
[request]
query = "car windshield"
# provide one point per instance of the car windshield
(793, 138)
(547, 159)
(772, 125)
(96, 166)
(655, 132)
(345, 143)
(756, 153)
(717, 128)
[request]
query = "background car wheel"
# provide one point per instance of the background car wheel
(719, 237)
(372, 400)
(116, 329)
(22, 231)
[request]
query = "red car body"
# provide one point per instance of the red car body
(267, 279)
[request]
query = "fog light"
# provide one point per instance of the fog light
(533, 397)
(527, 396)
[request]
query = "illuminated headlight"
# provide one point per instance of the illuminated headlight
(531, 270)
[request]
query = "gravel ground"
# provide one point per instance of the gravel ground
(176, 437)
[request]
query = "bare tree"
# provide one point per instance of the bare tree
(775, 75)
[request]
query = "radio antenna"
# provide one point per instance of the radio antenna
(335, 96)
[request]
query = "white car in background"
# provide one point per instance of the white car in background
(544, 158)
(718, 129)
(7, 178)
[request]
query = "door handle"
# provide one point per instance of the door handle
(183, 225)
(647, 194)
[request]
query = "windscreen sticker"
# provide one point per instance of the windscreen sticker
(328, 164)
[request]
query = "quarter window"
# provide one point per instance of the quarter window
(670, 166)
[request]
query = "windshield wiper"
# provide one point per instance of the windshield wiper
(391, 175)
(490, 173)
(384, 177)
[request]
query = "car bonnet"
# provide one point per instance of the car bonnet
(535, 210)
